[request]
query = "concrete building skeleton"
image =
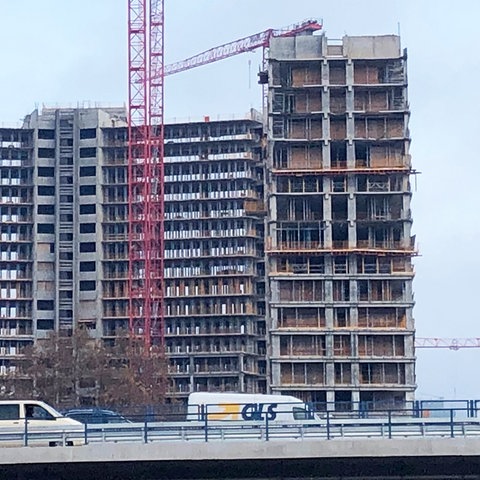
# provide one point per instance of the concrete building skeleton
(64, 241)
(339, 242)
(287, 262)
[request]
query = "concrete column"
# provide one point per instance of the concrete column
(354, 344)
(407, 228)
(406, 205)
(352, 265)
(330, 373)
(329, 265)
(326, 145)
(330, 395)
(352, 216)
(325, 102)
(328, 291)
(271, 230)
(350, 144)
(410, 373)
(273, 318)
(349, 72)
(325, 73)
(329, 322)
(242, 383)
(353, 310)
(355, 393)
(409, 346)
(350, 99)
(276, 374)
(356, 376)
(350, 120)
(327, 215)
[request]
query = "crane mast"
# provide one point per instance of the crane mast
(145, 170)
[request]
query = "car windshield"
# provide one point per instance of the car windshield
(37, 412)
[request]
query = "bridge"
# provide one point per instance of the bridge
(342, 458)
(390, 446)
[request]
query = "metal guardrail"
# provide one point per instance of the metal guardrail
(343, 409)
(454, 423)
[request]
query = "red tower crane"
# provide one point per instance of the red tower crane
(145, 161)
(145, 169)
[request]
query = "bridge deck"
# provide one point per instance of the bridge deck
(414, 458)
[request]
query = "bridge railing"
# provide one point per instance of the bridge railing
(363, 409)
(450, 423)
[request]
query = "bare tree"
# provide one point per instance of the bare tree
(78, 370)
(63, 368)
(137, 376)
(15, 384)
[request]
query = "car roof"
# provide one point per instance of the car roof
(22, 401)
(103, 411)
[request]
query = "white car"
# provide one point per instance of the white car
(30, 422)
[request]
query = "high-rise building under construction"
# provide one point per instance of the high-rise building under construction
(338, 229)
(287, 242)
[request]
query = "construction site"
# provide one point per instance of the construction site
(264, 254)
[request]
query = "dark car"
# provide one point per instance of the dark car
(95, 415)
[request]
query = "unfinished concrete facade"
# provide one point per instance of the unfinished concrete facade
(16, 246)
(214, 256)
(214, 264)
(52, 220)
(339, 242)
(64, 241)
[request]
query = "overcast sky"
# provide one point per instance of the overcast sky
(70, 51)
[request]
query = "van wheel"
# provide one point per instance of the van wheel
(52, 444)
(69, 443)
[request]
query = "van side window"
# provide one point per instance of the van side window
(300, 414)
(37, 412)
(9, 412)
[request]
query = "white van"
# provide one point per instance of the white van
(38, 419)
(248, 407)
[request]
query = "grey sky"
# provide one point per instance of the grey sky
(69, 51)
